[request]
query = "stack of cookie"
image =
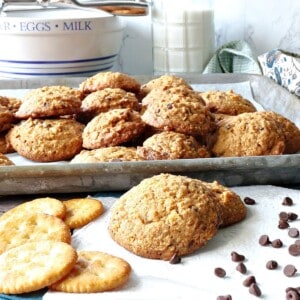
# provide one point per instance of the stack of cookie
(36, 251)
(112, 117)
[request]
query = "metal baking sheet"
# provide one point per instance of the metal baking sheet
(118, 176)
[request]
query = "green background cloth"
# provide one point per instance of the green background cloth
(234, 57)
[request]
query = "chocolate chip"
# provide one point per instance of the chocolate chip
(293, 232)
(272, 265)
(284, 216)
(283, 224)
(294, 249)
(254, 290)
(226, 297)
(241, 268)
(277, 243)
(289, 270)
(292, 294)
(287, 201)
(292, 216)
(175, 259)
(169, 105)
(237, 257)
(220, 272)
(249, 280)
(249, 201)
(264, 240)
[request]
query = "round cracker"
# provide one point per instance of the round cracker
(35, 265)
(20, 229)
(81, 211)
(94, 272)
(46, 205)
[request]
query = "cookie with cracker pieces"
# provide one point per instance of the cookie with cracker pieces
(45, 205)
(164, 82)
(233, 209)
(107, 154)
(5, 146)
(94, 272)
(5, 161)
(173, 113)
(6, 118)
(171, 145)
(18, 229)
(105, 100)
(11, 103)
(110, 79)
(112, 128)
(47, 140)
(248, 134)
(227, 102)
(50, 101)
(33, 266)
(81, 211)
(165, 215)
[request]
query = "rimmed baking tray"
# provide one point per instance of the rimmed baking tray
(118, 176)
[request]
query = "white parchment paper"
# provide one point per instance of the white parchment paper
(194, 277)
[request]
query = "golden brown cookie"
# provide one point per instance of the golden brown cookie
(110, 79)
(6, 118)
(182, 92)
(112, 128)
(50, 101)
(45, 205)
(171, 145)
(165, 215)
(94, 272)
(81, 211)
(18, 229)
(290, 131)
(5, 161)
(107, 154)
(186, 116)
(46, 140)
(11, 103)
(248, 134)
(228, 103)
(233, 209)
(105, 100)
(33, 266)
(164, 82)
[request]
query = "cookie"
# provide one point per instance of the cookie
(105, 100)
(182, 92)
(112, 128)
(233, 209)
(5, 146)
(171, 145)
(165, 215)
(5, 161)
(81, 211)
(50, 101)
(290, 131)
(33, 266)
(45, 205)
(248, 134)
(94, 272)
(110, 79)
(6, 118)
(107, 154)
(228, 103)
(11, 103)
(184, 116)
(46, 140)
(18, 229)
(164, 82)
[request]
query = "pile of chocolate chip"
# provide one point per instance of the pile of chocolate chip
(285, 218)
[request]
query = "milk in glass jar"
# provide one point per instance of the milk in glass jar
(183, 35)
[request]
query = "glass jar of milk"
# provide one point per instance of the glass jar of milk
(183, 35)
